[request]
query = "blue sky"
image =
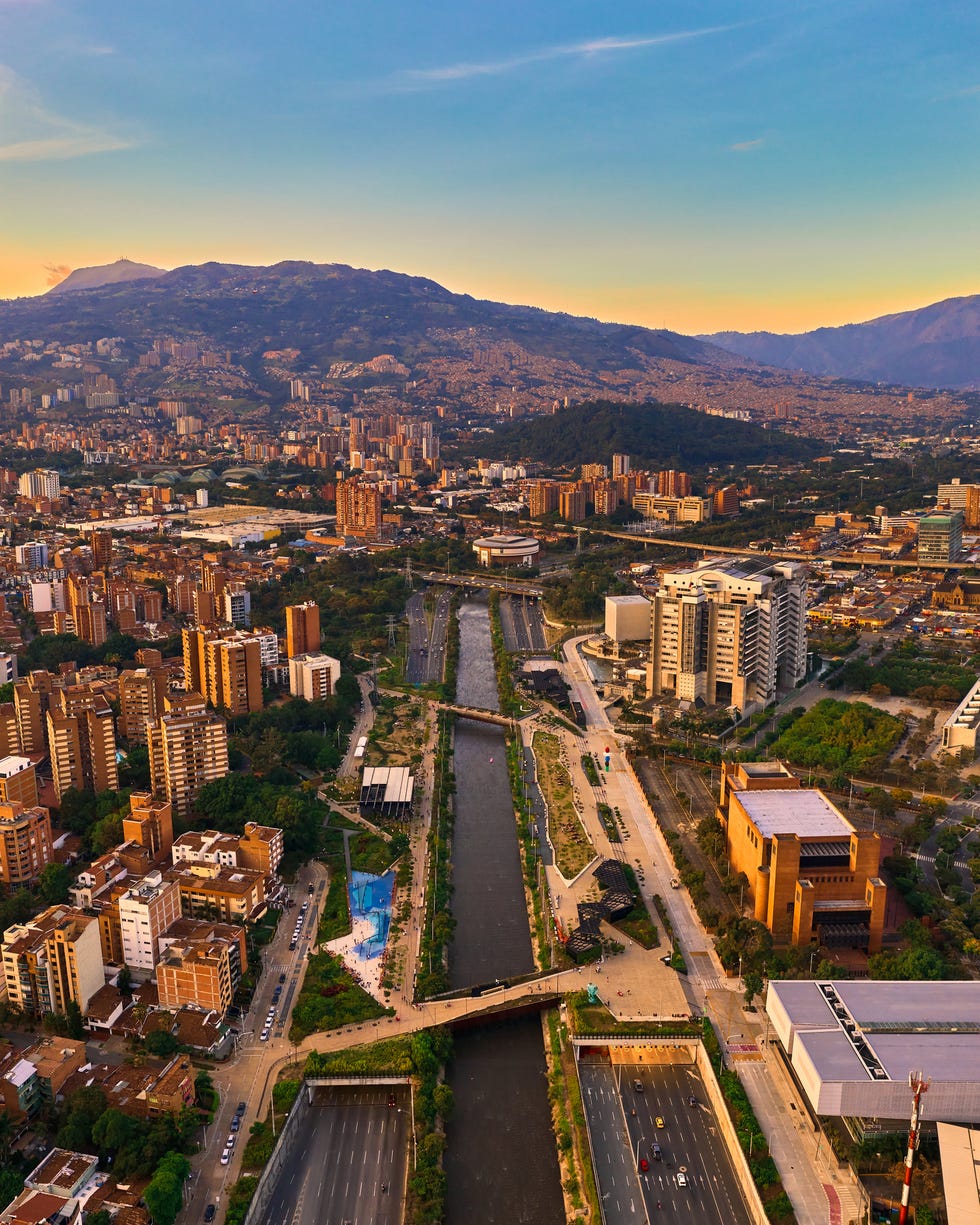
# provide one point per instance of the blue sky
(698, 166)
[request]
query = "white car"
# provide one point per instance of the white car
(681, 1178)
(230, 1142)
(226, 1156)
(264, 1035)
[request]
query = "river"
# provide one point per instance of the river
(501, 1162)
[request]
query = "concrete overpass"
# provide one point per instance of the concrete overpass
(477, 713)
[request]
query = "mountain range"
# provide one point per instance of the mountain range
(934, 346)
(345, 324)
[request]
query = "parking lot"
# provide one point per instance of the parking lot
(692, 1175)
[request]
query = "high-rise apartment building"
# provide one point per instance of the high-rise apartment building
(141, 694)
(32, 556)
(728, 632)
(571, 505)
(52, 959)
(358, 509)
(25, 844)
(150, 824)
(543, 498)
(188, 748)
(100, 542)
(225, 666)
(18, 781)
(620, 465)
(145, 912)
(313, 676)
(41, 483)
(302, 629)
(81, 741)
(237, 605)
(673, 484)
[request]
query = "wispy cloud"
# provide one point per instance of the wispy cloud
(420, 78)
(29, 132)
(746, 146)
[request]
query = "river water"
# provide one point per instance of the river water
(492, 939)
(501, 1164)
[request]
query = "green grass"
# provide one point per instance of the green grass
(330, 998)
(573, 850)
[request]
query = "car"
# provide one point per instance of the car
(637, 1086)
(210, 1211)
(282, 978)
(240, 1108)
(230, 1142)
(276, 994)
(674, 883)
(264, 1035)
(644, 1165)
(692, 1100)
(226, 1156)
(310, 891)
(391, 1099)
(236, 1123)
(681, 1178)
(660, 1122)
(658, 1152)
(292, 945)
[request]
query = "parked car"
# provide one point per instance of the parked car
(230, 1142)
(236, 1123)
(209, 1212)
(240, 1108)
(282, 978)
(292, 945)
(225, 1156)
(264, 1035)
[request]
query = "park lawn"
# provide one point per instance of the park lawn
(330, 998)
(573, 850)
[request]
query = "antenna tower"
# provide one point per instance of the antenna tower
(390, 626)
(919, 1085)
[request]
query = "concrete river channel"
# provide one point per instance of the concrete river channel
(500, 1161)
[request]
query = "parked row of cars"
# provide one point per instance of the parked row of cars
(227, 1150)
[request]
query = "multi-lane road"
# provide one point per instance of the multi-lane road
(522, 624)
(349, 1163)
(427, 645)
(693, 1175)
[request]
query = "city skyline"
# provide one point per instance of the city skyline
(705, 167)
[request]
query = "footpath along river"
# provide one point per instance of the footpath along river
(500, 1161)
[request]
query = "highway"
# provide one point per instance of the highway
(522, 624)
(426, 650)
(690, 1143)
(353, 1147)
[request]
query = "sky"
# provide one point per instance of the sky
(701, 166)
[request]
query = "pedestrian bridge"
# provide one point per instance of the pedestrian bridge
(477, 713)
(476, 582)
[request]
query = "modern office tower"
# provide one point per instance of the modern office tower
(33, 555)
(188, 747)
(82, 741)
(100, 542)
(145, 912)
(941, 536)
(313, 676)
(141, 694)
(728, 632)
(543, 498)
(225, 666)
(41, 483)
(620, 465)
(237, 603)
(25, 843)
(150, 824)
(302, 629)
(725, 502)
(52, 959)
(358, 509)
(957, 495)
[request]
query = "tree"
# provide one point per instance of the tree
(53, 883)
(125, 982)
(161, 1043)
(75, 1020)
(753, 983)
(163, 1194)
